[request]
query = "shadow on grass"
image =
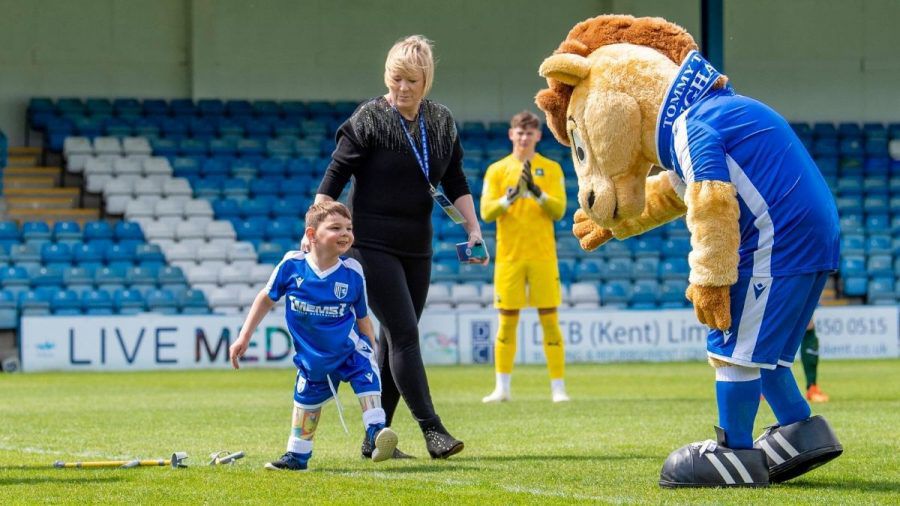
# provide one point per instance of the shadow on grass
(848, 484)
(545, 458)
(411, 469)
(50, 478)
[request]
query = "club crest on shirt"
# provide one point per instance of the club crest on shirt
(340, 290)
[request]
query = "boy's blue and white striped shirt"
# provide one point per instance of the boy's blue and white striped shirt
(321, 310)
(788, 219)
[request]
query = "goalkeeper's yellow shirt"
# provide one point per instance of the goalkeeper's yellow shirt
(525, 226)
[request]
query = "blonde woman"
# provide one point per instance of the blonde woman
(403, 153)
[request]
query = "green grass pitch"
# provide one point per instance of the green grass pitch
(606, 446)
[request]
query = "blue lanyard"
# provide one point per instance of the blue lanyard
(422, 157)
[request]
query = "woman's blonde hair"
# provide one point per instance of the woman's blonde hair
(408, 56)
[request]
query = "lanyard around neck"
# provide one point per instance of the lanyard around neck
(421, 157)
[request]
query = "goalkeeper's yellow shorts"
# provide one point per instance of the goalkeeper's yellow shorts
(528, 283)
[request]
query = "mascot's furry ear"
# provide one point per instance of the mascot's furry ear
(566, 68)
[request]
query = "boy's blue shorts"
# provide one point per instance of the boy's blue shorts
(360, 370)
(768, 319)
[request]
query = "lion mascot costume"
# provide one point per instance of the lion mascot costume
(628, 94)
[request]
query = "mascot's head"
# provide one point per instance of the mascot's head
(607, 82)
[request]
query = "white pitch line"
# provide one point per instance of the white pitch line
(44, 451)
(539, 492)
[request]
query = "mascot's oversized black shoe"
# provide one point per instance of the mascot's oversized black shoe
(800, 447)
(711, 464)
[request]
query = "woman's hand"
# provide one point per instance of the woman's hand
(475, 238)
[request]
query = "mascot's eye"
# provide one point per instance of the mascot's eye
(578, 147)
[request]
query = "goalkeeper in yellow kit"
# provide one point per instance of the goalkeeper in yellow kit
(525, 193)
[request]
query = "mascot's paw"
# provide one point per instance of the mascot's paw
(589, 234)
(712, 305)
(711, 464)
(797, 448)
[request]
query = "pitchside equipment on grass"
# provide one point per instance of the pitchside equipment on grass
(223, 457)
(176, 461)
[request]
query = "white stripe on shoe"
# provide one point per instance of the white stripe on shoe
(721, 468)
(784, 444)
(770, 452)
(736, 462)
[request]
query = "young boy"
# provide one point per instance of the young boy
(326, 317)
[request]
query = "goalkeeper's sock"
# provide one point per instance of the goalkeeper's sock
(809, 356)
(553, 345)
(783, 395)
(505, 346)
(737, 396)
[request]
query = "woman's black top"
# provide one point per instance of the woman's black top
(389, 198)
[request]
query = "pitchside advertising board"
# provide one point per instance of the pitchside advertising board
(151, 341)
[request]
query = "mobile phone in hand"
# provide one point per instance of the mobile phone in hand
(474, 254)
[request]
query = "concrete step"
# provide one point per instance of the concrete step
(24, 151)
(41, 192)
(22, 161)
(37, 171)
(53, 215)
(36, 203)
(10, 182)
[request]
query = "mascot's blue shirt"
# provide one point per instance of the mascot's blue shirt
(788, 219)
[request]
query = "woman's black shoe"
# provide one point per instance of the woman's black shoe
(440, 444)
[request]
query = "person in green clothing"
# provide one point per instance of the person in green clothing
(809, 356)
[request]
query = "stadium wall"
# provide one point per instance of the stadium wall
(812, 60)
(142, 342)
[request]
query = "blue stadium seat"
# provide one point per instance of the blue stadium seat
(476, 273)
(852, 244)
(35, 231)
(851, 223)
(270, 253)
(50, 275)
(183, 107)
(616, 293)
(250, 147)
(619, 268)
(126, 301)
(128, 231)
(672, 293)
(674, 268)
(15, 279)
(880, 265)
(25, 255)
(881, 290)
(88, 255)
(615, 249)
(9, 232)
(853, 265)
(161, 301)
(9, 310)
(97, 230)
(876, 204)
(223, 147)
(110, 278)
(236, 189)
(265, 108)
(56, 254)
(280, 228)
(213, 168)
(280, 148)
(65, 303)
(66, 231)
(855, 286)
(646, 268)
(120, 254)
(647, 247)
(590, 269)
(879, 244)
(78, 278)
(445, 252)
(142, 278)
(34, 303)
(264, 188)
(210, 189)
(567, 267)
(444, 272)
(97, 302)
(645, 291)
(171, 276)
(193, 302)
(252, 230)
(155, 107)
(824, 130)
(676, 247)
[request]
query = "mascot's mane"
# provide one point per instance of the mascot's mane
(668, 38)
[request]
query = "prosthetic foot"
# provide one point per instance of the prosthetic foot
(712, 464)
(798, 448)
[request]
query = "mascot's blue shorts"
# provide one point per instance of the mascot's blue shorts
(768, 319)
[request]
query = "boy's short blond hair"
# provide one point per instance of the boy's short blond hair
(525, 120)
(317, 213)
(408, 56)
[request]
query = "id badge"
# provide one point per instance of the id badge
(447, 206)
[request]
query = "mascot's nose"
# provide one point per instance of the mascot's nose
(590, 199)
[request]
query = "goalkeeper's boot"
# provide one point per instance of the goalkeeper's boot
(498, 395)
(813, 394)
(558, 391)
(711, 464)
(794, 449)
